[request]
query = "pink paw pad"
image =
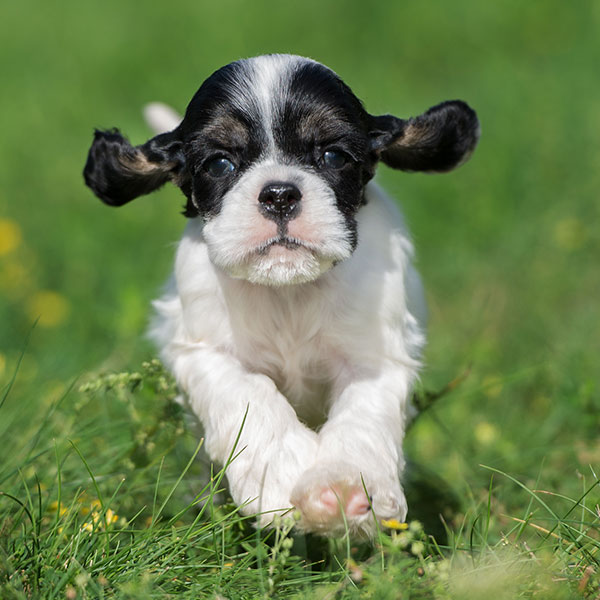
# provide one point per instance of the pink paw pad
(329, 500)
(333, 508)
(352, 501)
(357, 503)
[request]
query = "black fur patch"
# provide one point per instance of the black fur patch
(318, 112)
(437, 141)
(219, 121)
(117, 172)
(311, 111)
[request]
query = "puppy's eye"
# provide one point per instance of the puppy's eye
(219, 167)
(333, 159)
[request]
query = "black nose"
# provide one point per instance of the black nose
(280, 201)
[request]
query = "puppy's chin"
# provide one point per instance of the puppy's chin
(279, 265)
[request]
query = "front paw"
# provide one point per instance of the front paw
(261, 481)
(336, 498)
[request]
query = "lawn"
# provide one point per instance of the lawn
(100, 493)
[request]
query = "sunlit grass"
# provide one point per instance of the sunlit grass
(141, 516)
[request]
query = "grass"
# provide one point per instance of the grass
(100, 497)
(136, 516)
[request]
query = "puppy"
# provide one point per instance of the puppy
(294, 320)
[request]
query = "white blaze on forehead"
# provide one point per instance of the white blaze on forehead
(269, 78)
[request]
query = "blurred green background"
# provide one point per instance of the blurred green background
(508, 245)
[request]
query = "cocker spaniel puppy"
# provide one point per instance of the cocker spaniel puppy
(294, 308)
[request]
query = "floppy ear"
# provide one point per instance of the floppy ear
(436, 141)
(118, 172)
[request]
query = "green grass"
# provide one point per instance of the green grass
(118, 505)
(508, 247)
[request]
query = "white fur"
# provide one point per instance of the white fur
(238, 237)
(339, 351)
(268, 75)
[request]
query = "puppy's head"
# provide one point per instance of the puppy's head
(274, 154)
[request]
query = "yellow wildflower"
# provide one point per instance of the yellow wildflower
(53, 507)
(570, 233)
(485, 433)
(10, 236)
(394, 524)
(111, 517)
(49, 307)
(15, 278)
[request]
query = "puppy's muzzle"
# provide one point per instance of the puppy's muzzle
(280, 202)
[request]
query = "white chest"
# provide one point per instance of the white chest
(286, 335)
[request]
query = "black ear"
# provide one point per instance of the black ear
(118, 172)
(436, 141)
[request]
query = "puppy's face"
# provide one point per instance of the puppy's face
(273, 154)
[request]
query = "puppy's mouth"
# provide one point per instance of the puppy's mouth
(284, 260)
(283, 241)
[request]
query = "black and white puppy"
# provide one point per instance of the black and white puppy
(294, 303)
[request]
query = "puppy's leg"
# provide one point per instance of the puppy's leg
(273, 448)
(359, 460)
